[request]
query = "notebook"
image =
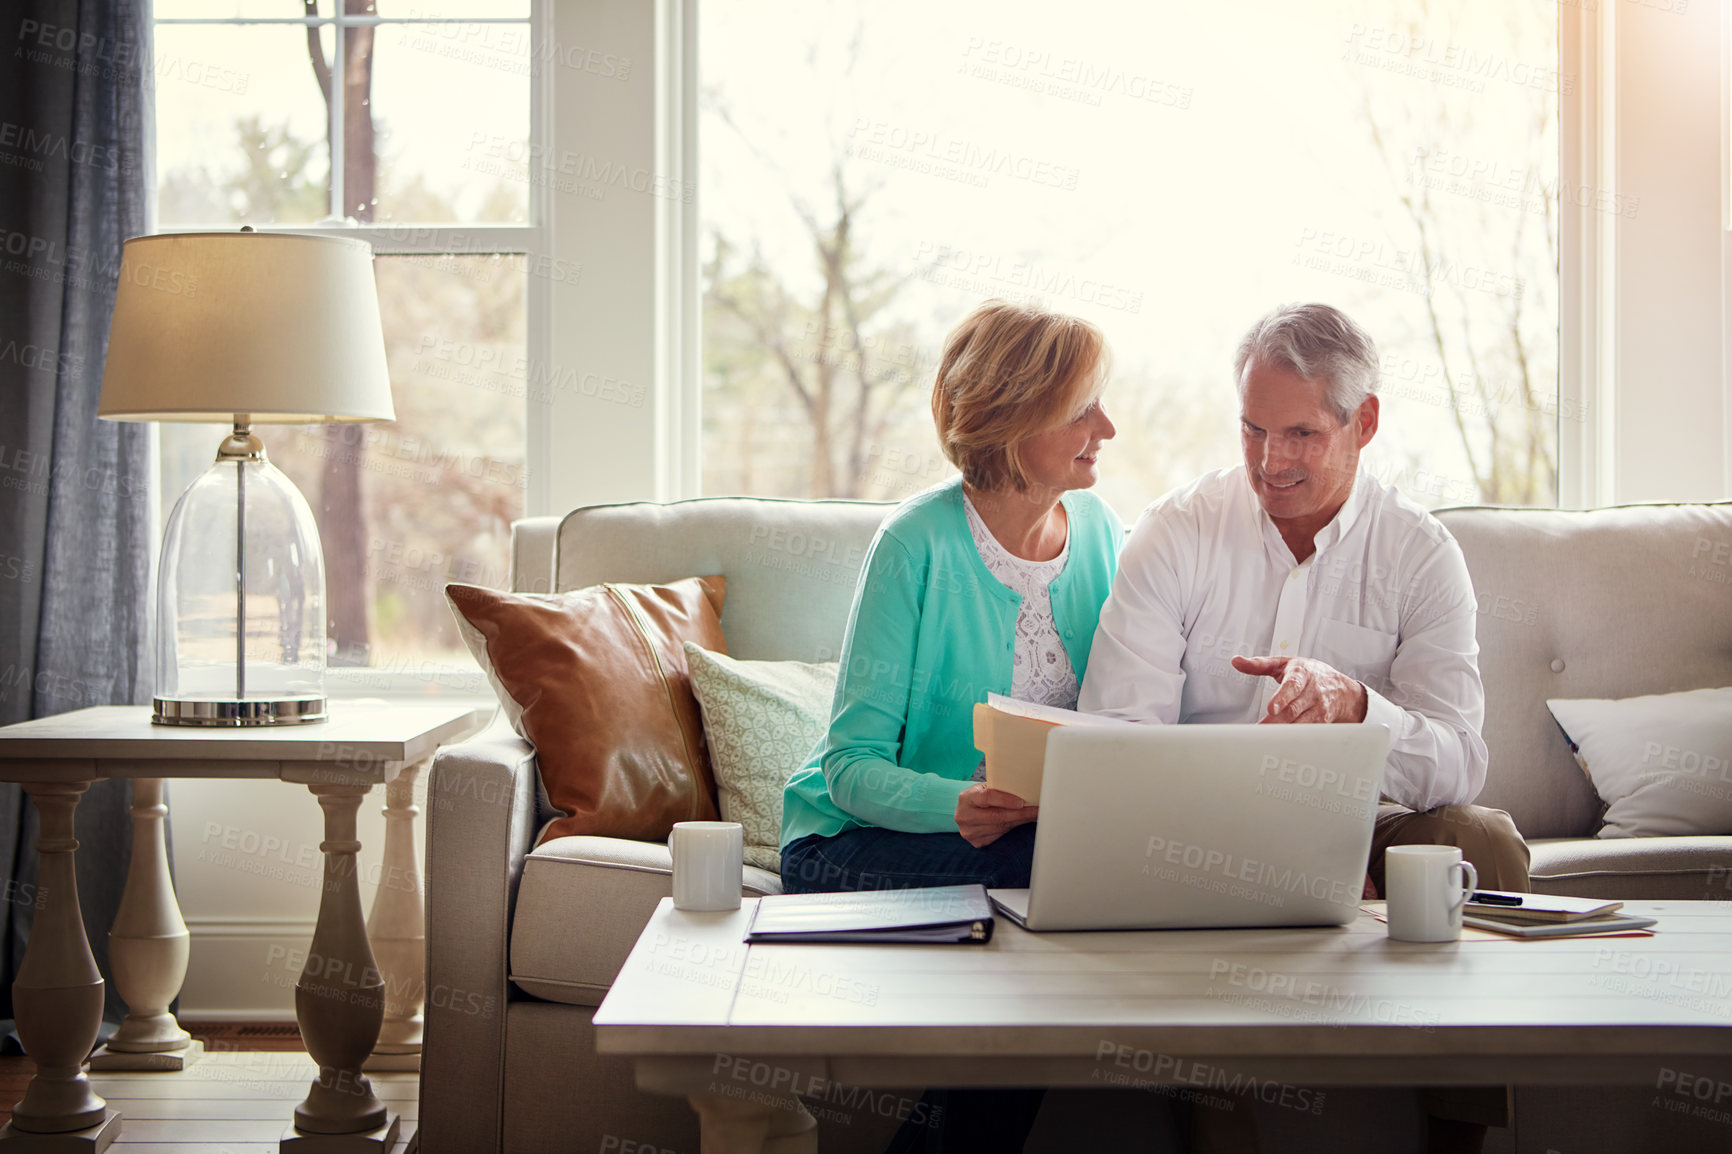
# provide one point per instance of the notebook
(934, 914)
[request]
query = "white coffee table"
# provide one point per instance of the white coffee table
(340, 1000)
(741, 1031)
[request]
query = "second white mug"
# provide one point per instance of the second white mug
(1426, 885)
(708, 864)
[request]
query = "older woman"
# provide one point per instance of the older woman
(993, 582)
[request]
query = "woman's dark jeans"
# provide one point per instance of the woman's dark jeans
(869, 858)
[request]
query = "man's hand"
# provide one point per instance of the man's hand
(1311, 691)
(984, 814)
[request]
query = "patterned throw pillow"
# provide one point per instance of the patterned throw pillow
(762, 720)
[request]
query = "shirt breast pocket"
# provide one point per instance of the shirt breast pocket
(1363, 654)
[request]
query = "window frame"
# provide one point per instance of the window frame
(635, 313)
(1587, 244)
(529, 240)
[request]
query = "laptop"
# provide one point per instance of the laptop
(1201, 826)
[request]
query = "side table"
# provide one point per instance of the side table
(340, 999)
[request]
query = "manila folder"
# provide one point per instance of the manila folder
(1015, 749)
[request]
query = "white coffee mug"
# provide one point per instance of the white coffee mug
(708, 864)
(1426, 885)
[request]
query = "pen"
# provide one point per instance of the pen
(1486, 897)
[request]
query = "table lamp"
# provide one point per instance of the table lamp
(243, 328)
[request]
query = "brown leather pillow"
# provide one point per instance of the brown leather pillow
(600, 687)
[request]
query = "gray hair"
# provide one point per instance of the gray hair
(1315, 341)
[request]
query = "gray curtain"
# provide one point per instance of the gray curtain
(76, 137)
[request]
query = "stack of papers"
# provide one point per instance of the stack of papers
(1547, 916)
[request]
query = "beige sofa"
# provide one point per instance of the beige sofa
(522, 944)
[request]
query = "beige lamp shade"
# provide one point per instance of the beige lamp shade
(281, 327)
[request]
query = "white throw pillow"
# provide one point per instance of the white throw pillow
(1661, 763)
(762, 719)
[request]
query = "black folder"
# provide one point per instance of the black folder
(936, 914)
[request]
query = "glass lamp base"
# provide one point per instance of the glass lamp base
(285, 711)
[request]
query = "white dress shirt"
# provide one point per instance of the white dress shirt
(1386, 599)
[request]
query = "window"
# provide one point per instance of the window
(428, 112)
(1168, 172)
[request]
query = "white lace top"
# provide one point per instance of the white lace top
(1043, 672)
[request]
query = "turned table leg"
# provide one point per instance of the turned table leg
(755, 1125)
(148, 949)
(57, 996)
(397, 929)
(340, 999)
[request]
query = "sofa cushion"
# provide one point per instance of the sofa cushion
(762, 720)
(1608, 603)
(1633, 868)
(791, 565)
(1662, 762)
(596, 679)
(580, 907)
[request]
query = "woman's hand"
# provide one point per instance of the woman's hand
(984, 814)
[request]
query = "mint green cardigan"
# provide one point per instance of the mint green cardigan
(932, 631)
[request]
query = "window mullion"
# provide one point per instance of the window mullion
(424, 240)
(339, 78)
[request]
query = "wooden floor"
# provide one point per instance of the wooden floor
(237, 1099)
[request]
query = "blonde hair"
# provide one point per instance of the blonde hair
(1008, 373)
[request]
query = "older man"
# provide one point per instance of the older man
(1296, 589)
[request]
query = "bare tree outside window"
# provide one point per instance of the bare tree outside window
(1170, 174)
(403, 506)
(340, 509)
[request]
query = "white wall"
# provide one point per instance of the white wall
(1673, 408)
